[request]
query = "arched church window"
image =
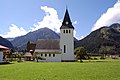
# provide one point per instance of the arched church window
(41, 54)
(53, 55)
(63, 31)
(66, 31)
(64, 48)
(69, 31)
(45, 55)
(49, 55)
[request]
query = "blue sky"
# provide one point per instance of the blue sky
(18, 17)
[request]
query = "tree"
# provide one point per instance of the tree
(11, 55)
(80, 53)
(107, 50)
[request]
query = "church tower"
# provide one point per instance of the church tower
(67, 39)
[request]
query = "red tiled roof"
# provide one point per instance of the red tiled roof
(3, 47)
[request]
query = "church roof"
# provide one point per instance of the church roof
(50, 44)
(66, 21)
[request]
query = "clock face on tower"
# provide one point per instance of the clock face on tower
(66, 22)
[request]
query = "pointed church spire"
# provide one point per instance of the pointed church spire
(66, 17)
(66, 24)
(67, 21)
(66, 4)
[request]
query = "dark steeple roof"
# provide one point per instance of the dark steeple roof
(66, 21)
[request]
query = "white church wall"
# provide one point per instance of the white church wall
(50, 57)
(1, 56)
(68, 40)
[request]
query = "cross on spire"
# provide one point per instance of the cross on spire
(66, 4)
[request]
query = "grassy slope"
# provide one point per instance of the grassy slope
(61, 71)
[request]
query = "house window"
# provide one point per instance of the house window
(64, 48)
(49, 55)
(41, 54)
(66, 31)
(63, 31)
(45, 55)
(69, 31)
(53, 55)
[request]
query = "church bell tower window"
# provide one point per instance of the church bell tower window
(63, 31)
(69, 31)
(66, 31)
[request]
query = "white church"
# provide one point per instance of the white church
(61, 50)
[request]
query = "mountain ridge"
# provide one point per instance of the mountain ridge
(20, 42)
(5, 43)
(43, 33)
(106, 37)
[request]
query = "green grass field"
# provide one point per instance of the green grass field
(61, 71)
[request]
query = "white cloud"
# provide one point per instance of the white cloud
(82, 37)
(78, 37)
(50, 20)
(111, 16)
(75, 22)
(14, 31)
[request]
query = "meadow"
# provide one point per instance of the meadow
(104, 70)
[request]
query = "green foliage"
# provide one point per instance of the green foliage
(60, 71)
(107, 50)
(102, 57)
(81, 53)
(37, 57)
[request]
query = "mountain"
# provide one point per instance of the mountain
(43, 33)
(5, 42)
(103, 40)
(9, 39)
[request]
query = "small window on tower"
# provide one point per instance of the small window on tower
(69, 31)
(66, 31)
(63, 31)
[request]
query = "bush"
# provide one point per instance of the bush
(95, 58)
(114, 58)
(102, 57)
